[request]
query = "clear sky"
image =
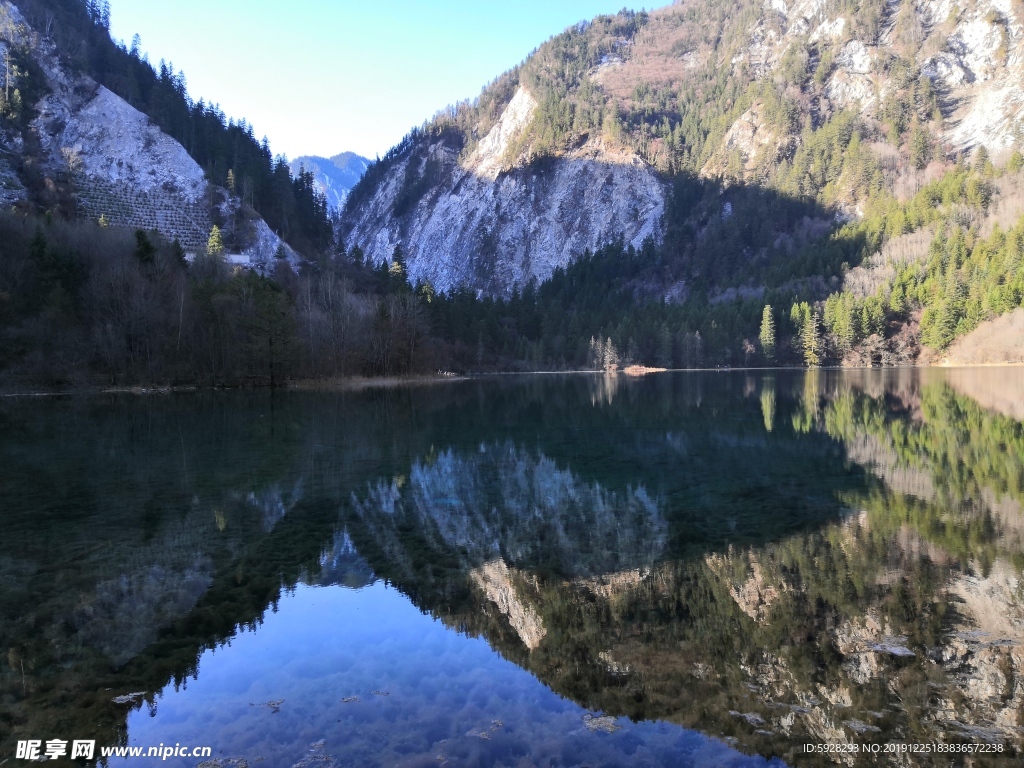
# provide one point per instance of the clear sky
(325, 76)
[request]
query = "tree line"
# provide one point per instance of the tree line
(82, 304)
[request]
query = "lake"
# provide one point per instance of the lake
(707, 569)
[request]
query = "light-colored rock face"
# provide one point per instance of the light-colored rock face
(507, 503)
(124, 167)
(492, 229)
(748, 135)
(753, 139)
(108, 139)
(495, 579)
(488, 159)
(754, 595)
(332, 177)
(851, 85)
(972, 50)
(944, 69)
(491, 223)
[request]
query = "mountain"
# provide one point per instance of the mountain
(731, 135)
(335, 176)
(111, 176)
(71, 141)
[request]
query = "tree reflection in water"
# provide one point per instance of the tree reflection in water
(769, 559)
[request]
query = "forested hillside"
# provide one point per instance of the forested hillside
(795, 145)
(228, 151)
(701, 185)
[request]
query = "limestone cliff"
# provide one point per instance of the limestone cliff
(489, 222)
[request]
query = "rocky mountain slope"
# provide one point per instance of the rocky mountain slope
(475, 222)
(334, 176)
(579, 144)
(82, 146)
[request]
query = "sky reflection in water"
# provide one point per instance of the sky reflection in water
(425, 696)
(689, 569)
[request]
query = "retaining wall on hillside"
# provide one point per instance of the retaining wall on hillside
(167, 213)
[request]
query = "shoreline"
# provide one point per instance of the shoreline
(361, 383)
(351, 384)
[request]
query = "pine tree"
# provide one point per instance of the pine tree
(919, 147)
(596, 353)
(215, 244)
(611, 355)
(767, 335)
(664, 356)
(810, 338)
(145, 251)
(981, 159)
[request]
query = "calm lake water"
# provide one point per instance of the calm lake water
(708, 569)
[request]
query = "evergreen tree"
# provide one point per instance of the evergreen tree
(767, 334)
(611, 355)
(919, 147)
(664, 355)
(145, 251)
(982, 164)
(810, 338)
(215, 243)
(595, 357)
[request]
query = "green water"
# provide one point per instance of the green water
(681, 569)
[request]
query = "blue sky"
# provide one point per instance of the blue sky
(325, 76)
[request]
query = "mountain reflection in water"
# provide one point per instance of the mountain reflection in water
(703, 569)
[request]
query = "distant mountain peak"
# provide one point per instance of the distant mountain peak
(333, 176)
